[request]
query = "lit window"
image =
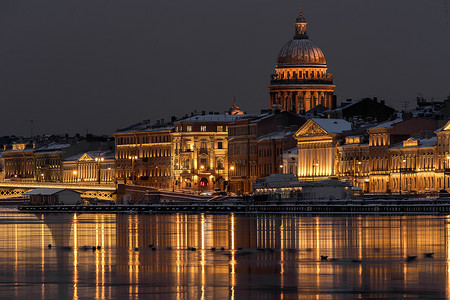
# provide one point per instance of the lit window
(203, 128)
(219, 128)
(188, 128)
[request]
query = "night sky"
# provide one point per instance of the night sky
(97, 65)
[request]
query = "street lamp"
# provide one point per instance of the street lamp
(75, 175)
(99, 159)
(401, 163)
(132, 158)
(315, 164)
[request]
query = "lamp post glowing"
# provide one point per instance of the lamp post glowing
(315, 164)
(132, 158)
(401, 163)
(75, 175)
(99, 159)
(355, 164)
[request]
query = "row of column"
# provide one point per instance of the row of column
(298, 101)
(316, 162)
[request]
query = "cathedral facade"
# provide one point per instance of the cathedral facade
(301, 80)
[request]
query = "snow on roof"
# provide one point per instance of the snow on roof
(422, 143)
(387, 123)
(333, 125)
(215, 118)
(92, 154)
(348, 104)
(47, 191)
(53, 146)
(141, 127)
(275, 135)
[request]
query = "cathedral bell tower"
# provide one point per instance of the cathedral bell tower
(301, 81)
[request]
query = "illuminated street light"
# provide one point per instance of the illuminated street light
(132, 158)
(315, 164)
(402, 162)
(99, 159)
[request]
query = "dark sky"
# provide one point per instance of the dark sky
(99, 65)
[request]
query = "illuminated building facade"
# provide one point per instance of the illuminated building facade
(256, 145)
(301, 80)
(92, 166)
(144, 155)
(317, 142)
(200, 151)
(19, 162)
(47, 162)
(398, 156)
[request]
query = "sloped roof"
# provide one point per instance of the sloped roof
(93, 155)
(215, 118)
(333, 125)
(276, 135)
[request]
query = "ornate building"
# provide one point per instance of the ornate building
(19, 162)
(317, 142)
(144, 155)
(200, 151)
(92, 166)
(256, 145)
(398, 156)
(301, 81)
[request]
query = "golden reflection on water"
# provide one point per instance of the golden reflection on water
(171, 256)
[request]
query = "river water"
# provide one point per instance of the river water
(269, 256)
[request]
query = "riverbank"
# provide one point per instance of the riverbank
(374, 206)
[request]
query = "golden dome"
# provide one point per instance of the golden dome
(300, 50)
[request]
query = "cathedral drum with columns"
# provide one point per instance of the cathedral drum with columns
(301, 81)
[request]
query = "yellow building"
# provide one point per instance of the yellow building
(144, 155)
(317, 142)
(301, 80)
(91, 166)
(200, 152)
(398, 156)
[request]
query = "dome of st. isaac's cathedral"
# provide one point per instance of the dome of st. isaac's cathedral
(301, 81)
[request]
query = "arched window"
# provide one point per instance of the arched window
(220, 164)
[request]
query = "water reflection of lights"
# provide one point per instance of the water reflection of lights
(225, 274)
(75, 257)
(232, 258)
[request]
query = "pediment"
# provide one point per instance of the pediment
(310, 129)
(85, 157)
(446, 126)
(410, 142)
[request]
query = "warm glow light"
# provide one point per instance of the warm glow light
(232, 168)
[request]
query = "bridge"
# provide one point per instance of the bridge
(89, 190)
